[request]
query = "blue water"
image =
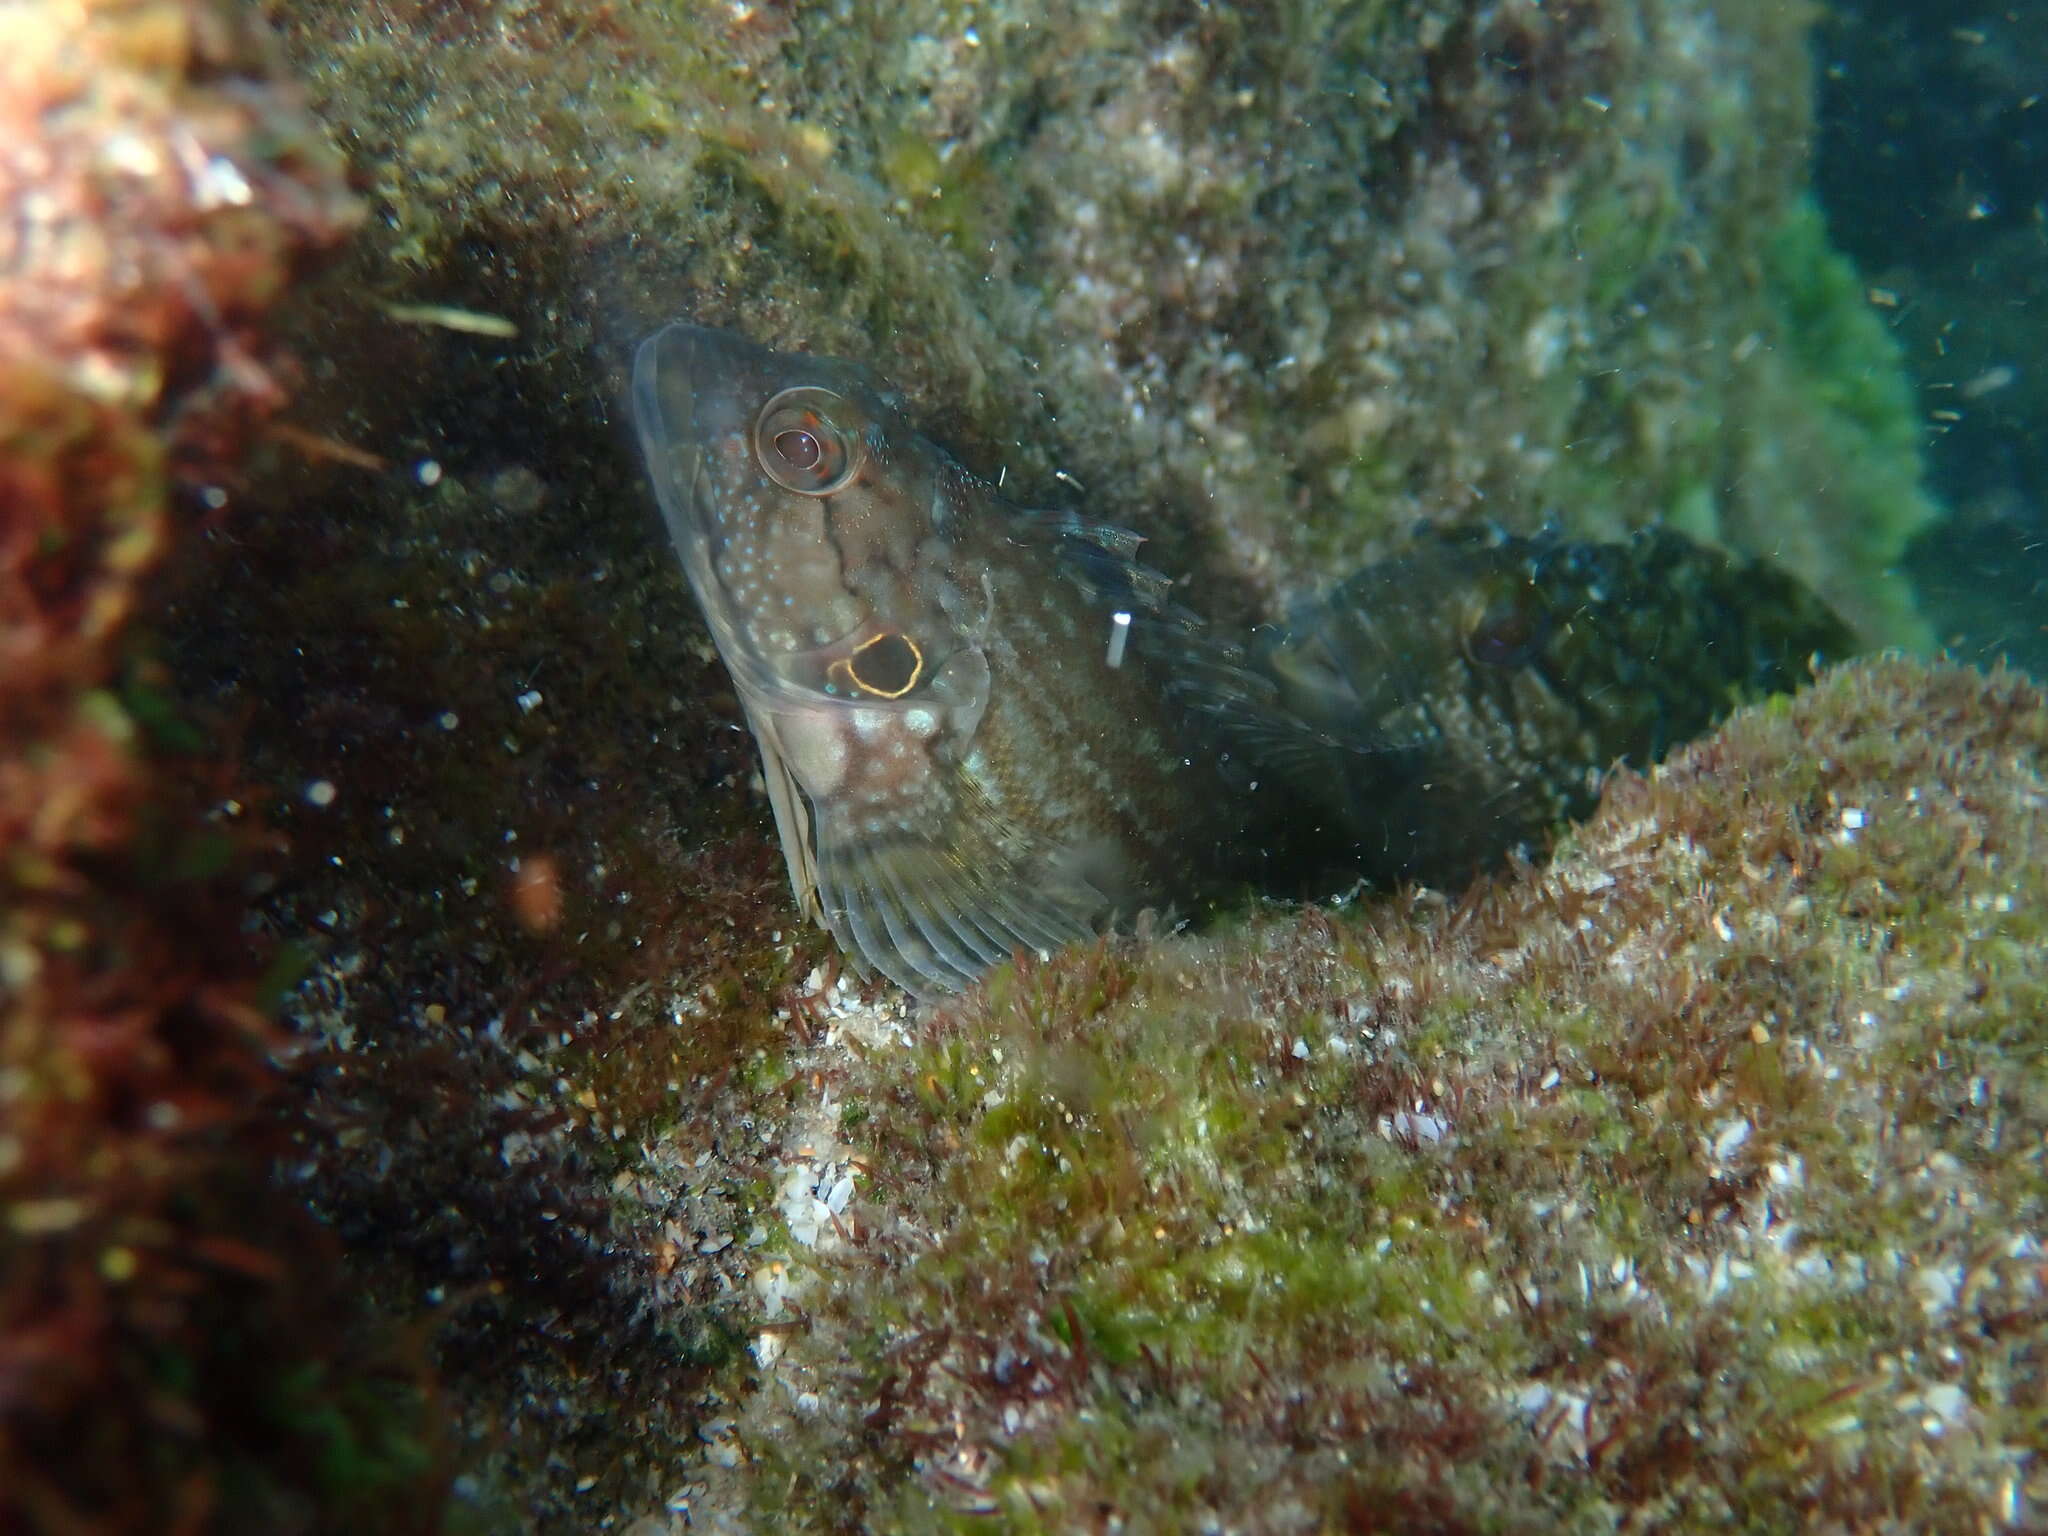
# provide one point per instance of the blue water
(1932, 166)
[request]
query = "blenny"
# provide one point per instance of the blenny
(967, 750)
(986, 728)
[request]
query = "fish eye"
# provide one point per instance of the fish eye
(1508, 633)
(884, 666)
(798, 449)
(801, 448)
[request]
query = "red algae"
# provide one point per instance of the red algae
(164, 191)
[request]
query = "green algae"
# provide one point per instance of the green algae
(1645, 1186)
(1270, 291)
(1393, 261)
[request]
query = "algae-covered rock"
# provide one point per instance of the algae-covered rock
(177, 1351)
(1276, 283)
(1291, 1220)
(1692, 1179)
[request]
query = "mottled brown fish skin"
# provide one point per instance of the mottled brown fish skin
(968, 753)
(957, 768)
(1469, 694)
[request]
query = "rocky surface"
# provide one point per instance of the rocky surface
(1694, 1174)
(175, 1350)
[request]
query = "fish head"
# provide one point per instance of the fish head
(819, 533)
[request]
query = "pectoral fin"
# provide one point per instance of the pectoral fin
(934, 905)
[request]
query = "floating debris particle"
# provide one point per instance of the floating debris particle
(537, 892)
(448, 318)
(320, 448)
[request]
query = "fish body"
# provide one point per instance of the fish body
(985, 728)
(964, 754)
(1469, 693)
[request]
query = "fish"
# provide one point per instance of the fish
(986, 728)
(1501, 678)
(983, 728)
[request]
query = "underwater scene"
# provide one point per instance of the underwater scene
(1003, 765)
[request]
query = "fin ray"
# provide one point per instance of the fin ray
(933, 907)
(946, 956)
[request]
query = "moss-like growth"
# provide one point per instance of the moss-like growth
(175, 1351)
(699, 1229)
(1397, 261)
(1688, 1178)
